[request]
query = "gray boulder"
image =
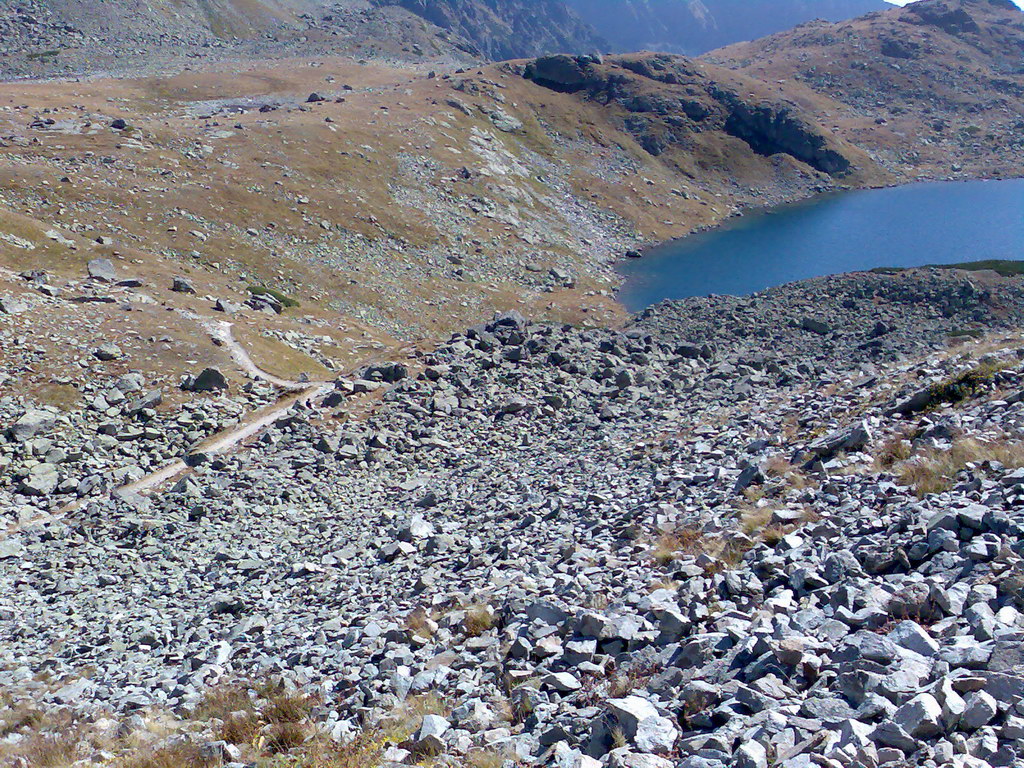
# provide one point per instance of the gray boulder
(42, 480)
(102, 270)
(850, 439)
(11, 305)
(181, 285)
(920, 717)
(107, 351)
(642, 725)
(815, 326)
(31, 423)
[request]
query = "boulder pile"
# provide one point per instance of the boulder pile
(707, 540)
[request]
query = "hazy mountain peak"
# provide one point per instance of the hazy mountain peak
(696, 26)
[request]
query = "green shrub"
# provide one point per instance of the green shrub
(964, 385)
(261, 290)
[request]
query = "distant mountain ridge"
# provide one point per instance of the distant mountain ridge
(39, 37)
(697, 26)
(42, 37)
(510, 29)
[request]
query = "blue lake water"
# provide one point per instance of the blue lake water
(910, 226)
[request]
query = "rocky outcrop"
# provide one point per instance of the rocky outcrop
(565, 73)
(950, 17)
(668, 99)
(771, 129)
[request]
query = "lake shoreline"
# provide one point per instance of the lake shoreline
(908, 212)
(809, 200)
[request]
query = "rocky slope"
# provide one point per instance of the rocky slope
(44, 39)
(934, 90)
(674, 103)
(781, 529)
(773, 530)
(53, 38)
(244, 181)
(696, 26)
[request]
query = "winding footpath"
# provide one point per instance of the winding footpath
(222, 442)
(220, 330)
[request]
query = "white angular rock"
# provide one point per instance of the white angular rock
(921, 716)
(32, 423)
(751, 754)
(980, 709)
(624, 758)
(642, 725)
(910, 635)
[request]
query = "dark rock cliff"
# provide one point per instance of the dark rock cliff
(509, 29)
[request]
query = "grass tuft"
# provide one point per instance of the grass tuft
(420, 624)
(479, 619)
(935, 470)
(686, 540)
(50, 750)
(183, 754)
(756, 520)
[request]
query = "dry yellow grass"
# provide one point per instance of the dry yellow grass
(420, 624)
(626, 681)
(759, 520)
(892, 451)
(756, 519)
(934, 471)
(223, 700)
(362, 752)
(62, 396)
(184, 754)
(16, 717)
(479, 619)
(288, 707)
(664, 583)
(776, 465)
(280, 359)
(406, 718)
(489, 758)
(48, 740)
(772, 534)
(679, 541)
(235, 708)
(50, 750)
(273, 727)
(687, 540)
